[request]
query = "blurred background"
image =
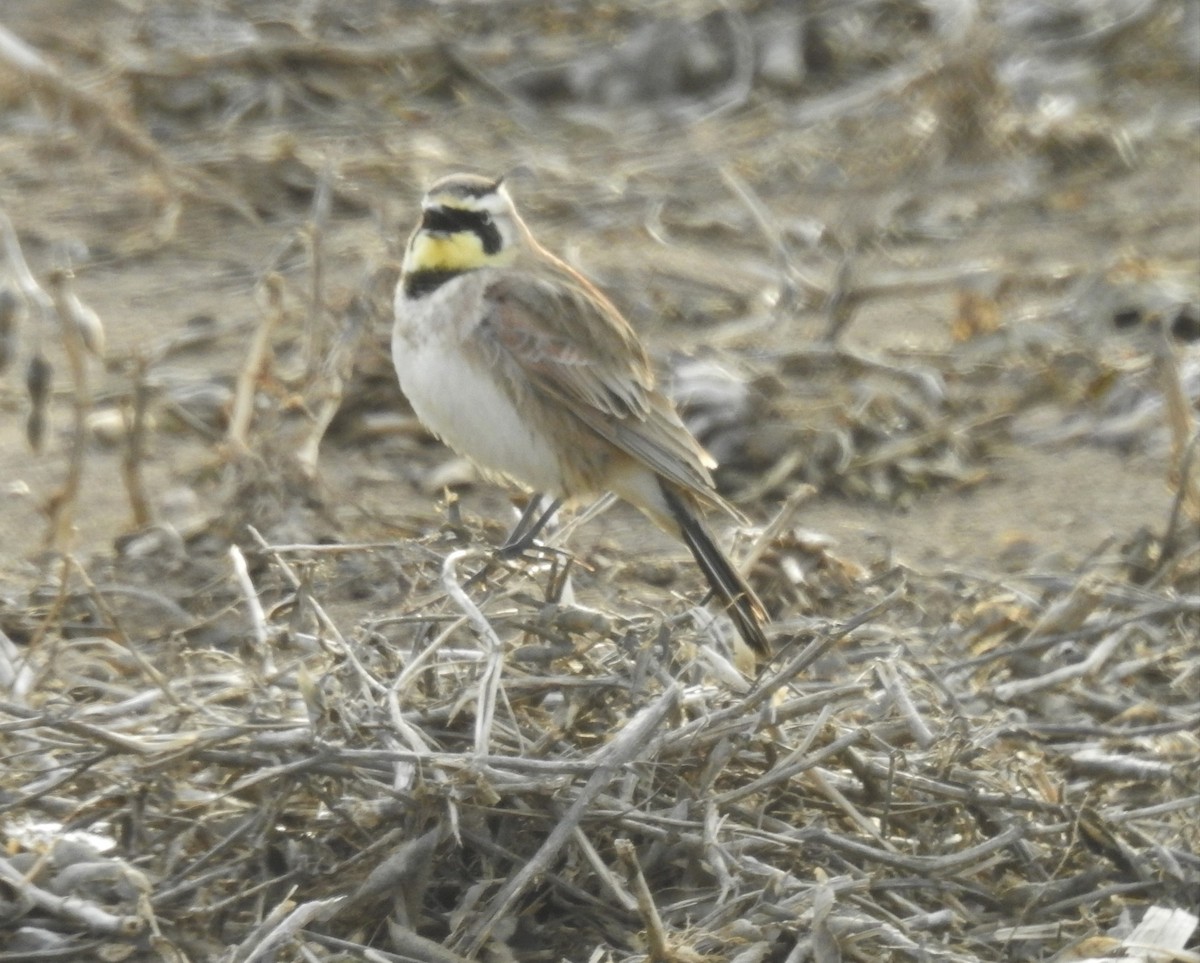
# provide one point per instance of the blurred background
(894, 250)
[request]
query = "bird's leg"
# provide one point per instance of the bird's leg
(522, 537)
(528, 527)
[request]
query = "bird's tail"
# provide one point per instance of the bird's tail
(735, 593)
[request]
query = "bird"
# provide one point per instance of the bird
(520, 364)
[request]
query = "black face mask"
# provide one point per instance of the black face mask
(455, 220)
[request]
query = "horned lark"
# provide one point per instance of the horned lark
(518, 363)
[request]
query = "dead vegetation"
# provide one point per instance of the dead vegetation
(273, 715)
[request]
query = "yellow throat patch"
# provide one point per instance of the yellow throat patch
(461, 251)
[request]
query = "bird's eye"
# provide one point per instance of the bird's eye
(485, 218)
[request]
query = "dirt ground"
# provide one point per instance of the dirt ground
(929, 269)
(71, 197)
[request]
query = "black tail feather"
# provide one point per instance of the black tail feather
(735, 593)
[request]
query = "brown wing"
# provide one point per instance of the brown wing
(575, 350)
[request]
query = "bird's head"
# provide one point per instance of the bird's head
(467, 222)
